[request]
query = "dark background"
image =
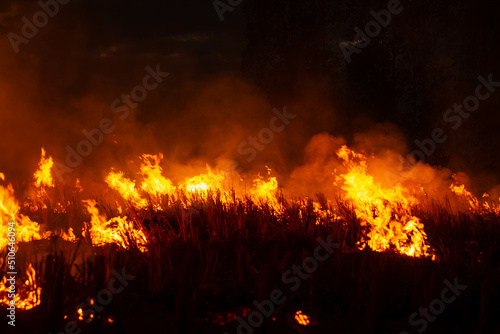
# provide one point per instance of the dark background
(227, 76)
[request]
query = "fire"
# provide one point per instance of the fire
(118, 230)
(70, 236)
(385, 212)
(27, 296)
(464, 194)
(43, 176)
(266, 191)
(126, 188)
(202, 184)
(25, 229)
(154, 183)
(475, 205)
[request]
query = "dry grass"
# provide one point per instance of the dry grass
(216, 257)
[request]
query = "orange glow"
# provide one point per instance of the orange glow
(302, 319)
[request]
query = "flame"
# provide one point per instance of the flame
(154, 182)
(117, 230)
(27, 296)
(126, 188)
(43, 176)
(302, 319)
(475, 205)
(266, 191)
(464, 194)
(203, 183)
(70, 236)
(385, 212)
(25, 229)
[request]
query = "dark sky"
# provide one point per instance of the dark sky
(225, 78)
(89, 32)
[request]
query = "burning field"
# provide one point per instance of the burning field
(227, 252)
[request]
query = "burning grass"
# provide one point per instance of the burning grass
(210, 244)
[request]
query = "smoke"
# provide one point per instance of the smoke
(65, 81)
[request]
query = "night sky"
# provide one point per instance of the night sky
(226, 77)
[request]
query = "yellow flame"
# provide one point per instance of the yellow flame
(24, 229)
(386, 212)
(27, 296)
(126, 188)
(117, 230)
(204, 183)
(266, 191)
(154, 183)
(43, 176)
(70, 236)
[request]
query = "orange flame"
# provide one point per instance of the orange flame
(27, 296)
(126, 188)
(154, 182)
(266, 191)
(203, 183)
(386, 212)
(117, 230)
(43, 176)
(25, 229)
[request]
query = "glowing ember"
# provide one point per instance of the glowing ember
(302, 319)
